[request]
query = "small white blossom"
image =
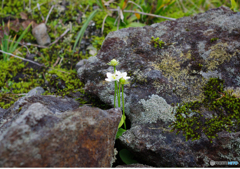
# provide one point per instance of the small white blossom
(124, 75)
(113, 77)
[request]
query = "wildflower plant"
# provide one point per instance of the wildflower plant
(120, 79)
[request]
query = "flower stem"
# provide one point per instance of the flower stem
(115, 94)
(115, 89)
(119, 104)
(123, 109)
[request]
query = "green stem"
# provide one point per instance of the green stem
(115, 93)
(123, 109)
(115, 89)
(119, 104)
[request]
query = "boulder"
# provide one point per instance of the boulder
(156, 146)
(193, 50)
(50, 131)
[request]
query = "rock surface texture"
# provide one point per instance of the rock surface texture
(49, 131)
(196, 49)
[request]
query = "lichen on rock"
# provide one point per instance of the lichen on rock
(156, 108)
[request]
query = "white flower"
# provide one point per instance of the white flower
(116, 76)
(113, 77)
(123, 75)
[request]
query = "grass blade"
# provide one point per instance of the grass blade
(100, 4)
(13, 42)
(19, 39)
(84, 27)
(5, 46)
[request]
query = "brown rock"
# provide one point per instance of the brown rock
(45, 134)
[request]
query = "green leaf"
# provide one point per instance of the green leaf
(99, 3)
(121, 121)
(132, 19)
(135, 24)
(110, 20)
(127, 157)
(12, 42)
(234, 6)
(120, 132)
(84, 27)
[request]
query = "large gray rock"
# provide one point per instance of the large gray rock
(175, 73)
(50, 131)
(155, 145)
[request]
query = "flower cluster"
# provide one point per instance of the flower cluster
(120, 79)
(118, 76)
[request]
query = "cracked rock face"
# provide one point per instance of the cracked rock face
(53, 132)
(196, 49)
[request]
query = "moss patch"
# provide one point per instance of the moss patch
(157, 43)
(214, 39)
(16, 80)
(63, 80)
(223, 110)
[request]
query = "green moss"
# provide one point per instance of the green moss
(68, 78)
(82, 56)
(11, 89)
(225, 115)
(214, 39)
(11, 93)
(12, 7)
(156, 42)
(97, 41)
(9, 69)
(59, 55)
(98, 19)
